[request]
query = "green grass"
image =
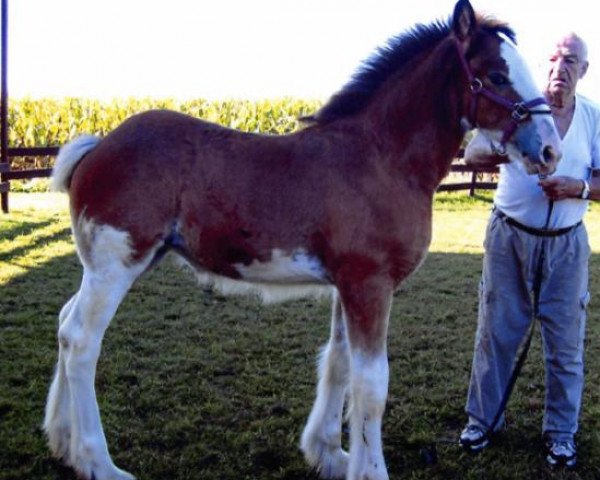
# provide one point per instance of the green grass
(193, 385)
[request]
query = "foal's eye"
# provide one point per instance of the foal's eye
(498, 79)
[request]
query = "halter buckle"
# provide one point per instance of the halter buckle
(520, 112)
(476, 85)
(499, 150)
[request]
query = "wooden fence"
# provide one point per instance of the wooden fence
(474, 183)
(7, 174)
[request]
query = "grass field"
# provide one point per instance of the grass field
(195, 386)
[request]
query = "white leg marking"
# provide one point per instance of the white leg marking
(73, 420)
(57, 420)
(80, 339)
(369, 386)
(66, 310)
(322, 437)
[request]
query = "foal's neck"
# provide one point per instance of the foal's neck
(421, 109)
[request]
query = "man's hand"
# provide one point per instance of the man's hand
(561, 187)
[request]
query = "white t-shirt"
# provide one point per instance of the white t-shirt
(518, 194)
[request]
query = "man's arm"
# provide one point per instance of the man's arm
(594, 183)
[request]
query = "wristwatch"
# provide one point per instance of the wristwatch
(585, 193)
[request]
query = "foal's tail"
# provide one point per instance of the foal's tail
(68, 158)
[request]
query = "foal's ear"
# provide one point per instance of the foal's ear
(463, 20)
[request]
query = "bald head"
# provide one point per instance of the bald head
(577, 44)
(568, 64)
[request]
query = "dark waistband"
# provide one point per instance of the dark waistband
(534, 231)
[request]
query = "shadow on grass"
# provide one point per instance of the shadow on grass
(63, 234)
(195, 386)
(24, 228)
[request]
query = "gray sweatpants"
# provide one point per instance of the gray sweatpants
(506, 310)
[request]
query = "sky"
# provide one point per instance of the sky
(251, 49)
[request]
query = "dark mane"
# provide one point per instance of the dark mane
(386, 61)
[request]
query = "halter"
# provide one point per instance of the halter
(519, 111)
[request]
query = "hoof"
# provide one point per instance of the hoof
(59, 440)
(112, 473)
(330, 461)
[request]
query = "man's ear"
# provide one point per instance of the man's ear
(463, 20)
(584, 69)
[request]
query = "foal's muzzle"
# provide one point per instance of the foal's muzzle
(534, 146)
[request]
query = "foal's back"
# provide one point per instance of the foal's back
(224, 197)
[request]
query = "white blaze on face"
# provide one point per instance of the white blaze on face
(524, 84)
(518, 71)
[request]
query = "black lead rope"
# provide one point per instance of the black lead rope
(429, 453)
(537, 285)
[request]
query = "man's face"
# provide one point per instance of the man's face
(567, 65)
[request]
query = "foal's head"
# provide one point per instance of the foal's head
(469, 69)
(503, 101)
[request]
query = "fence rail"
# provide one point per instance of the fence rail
(7, 174)
(26, 174)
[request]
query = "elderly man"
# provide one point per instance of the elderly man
(536, 266)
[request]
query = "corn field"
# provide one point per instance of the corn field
(50, 122)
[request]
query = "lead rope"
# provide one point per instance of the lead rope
(428, 453)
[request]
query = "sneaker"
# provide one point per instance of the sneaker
(561, 453)
(473, 438)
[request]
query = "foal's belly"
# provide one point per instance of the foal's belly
(284, 267)
(284, 276)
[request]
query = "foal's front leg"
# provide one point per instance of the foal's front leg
(322, 436)
(367, 309)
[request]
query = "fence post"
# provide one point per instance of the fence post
(4, 161)
(473, 183)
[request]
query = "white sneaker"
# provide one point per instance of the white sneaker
(561, 453)
(473, 438)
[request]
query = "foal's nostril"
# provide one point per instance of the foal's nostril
(548, 154)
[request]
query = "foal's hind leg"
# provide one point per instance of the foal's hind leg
(57, 421)
(108, 274)
(322, 437)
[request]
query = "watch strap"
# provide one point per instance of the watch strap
(585, 192)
